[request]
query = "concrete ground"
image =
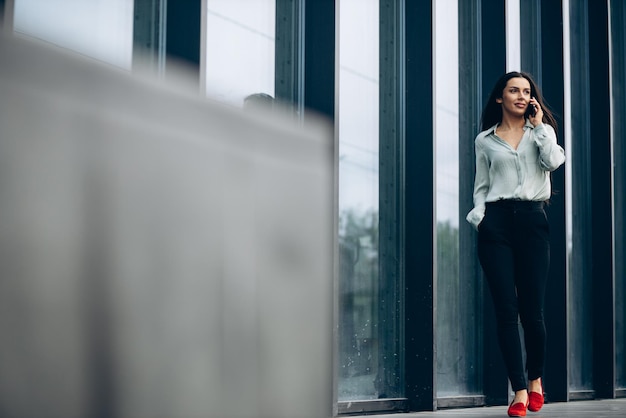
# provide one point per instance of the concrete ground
(609, 408)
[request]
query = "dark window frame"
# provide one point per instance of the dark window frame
(618, 93)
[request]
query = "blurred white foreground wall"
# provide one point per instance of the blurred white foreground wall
(160, 255)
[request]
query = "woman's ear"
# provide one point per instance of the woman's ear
(499, 100)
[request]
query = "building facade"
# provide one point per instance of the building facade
(404, 82)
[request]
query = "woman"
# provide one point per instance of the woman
(515, 153)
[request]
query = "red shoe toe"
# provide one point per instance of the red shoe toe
(517, 409)
(535, 401)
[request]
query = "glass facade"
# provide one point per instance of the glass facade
(240, 40)
(242, 45)
(359, 343)
(579, 202)
(101, 29)
(458, 330)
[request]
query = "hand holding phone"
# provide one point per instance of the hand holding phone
(534, 112)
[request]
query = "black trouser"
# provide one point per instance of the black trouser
(514, 252)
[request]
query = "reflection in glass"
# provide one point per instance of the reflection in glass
(579, 205)
(240, 40)
(457, 300)
(580, 291)
(358, 200)
(101, 29)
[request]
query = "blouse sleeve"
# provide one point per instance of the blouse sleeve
(481, 187)
(551, 155)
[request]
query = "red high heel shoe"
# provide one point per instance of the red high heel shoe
(518, 409)
(535, 400)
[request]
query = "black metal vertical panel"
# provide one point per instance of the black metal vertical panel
(419, 195)
(493, 34)
(183, 32)
(391, 183)
(482, 60)
(618, 95)
(289, 54)
(552, 85)
(551, 82)
(470, 107)
(601, 221)
(319, 58)
(493, 66)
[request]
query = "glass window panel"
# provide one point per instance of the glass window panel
(240, 46)
(578, 202)
(101, 29)
(456, 333)
(359, 345)
(580, 291)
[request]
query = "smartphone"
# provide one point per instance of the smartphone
(530, 111)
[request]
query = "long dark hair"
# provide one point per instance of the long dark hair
(492, 113)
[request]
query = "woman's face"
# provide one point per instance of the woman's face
(515, 96)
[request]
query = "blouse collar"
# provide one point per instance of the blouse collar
(492, 130)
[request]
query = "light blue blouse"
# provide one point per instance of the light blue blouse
(503, 172)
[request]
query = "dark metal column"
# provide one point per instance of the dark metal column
(183, 33)
(618, 96)
(542, 56)
(601, 219)
(591, 271)
(419, 195)
(319, 57)
(552, 85)
(493, 66)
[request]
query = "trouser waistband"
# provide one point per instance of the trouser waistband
(517, 204)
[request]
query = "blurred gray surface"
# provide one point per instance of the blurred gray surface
(160, 255)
